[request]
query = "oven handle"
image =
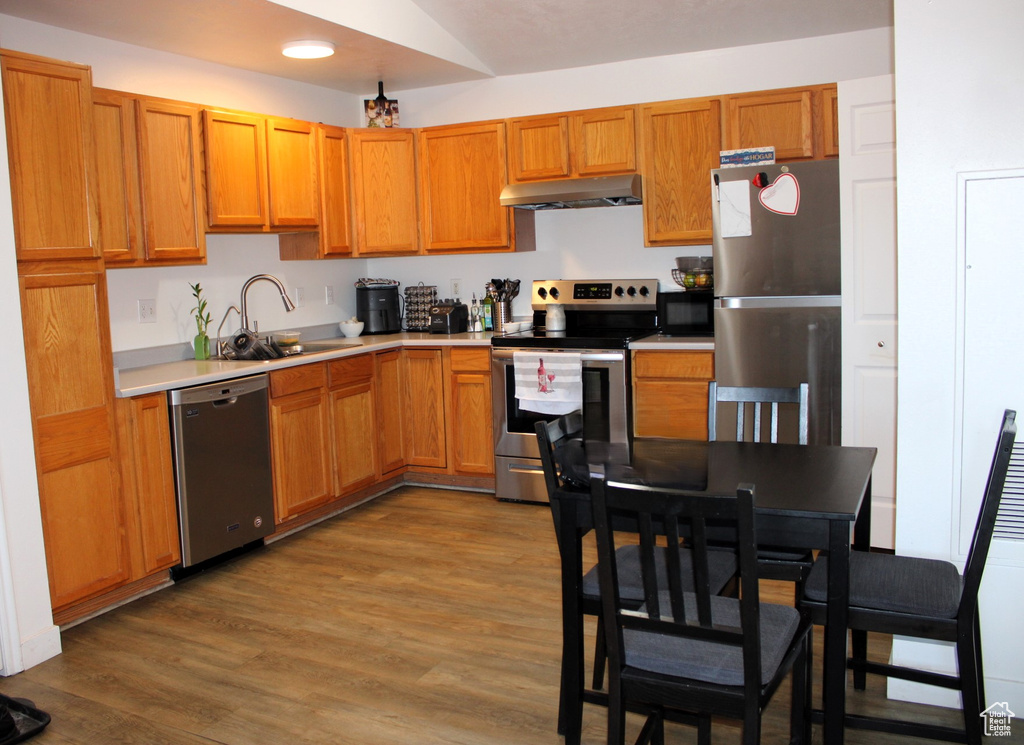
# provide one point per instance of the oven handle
(503, 354)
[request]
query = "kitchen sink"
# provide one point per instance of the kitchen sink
(303, 350)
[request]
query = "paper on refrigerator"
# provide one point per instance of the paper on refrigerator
(734, 208)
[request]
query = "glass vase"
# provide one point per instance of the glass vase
(202, 346)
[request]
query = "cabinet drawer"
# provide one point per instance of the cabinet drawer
(295, 379)
(350, 370)
(685, 364)
(471, 359)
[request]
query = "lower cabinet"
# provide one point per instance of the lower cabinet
(353, 423)
(424, 390)
(389, 401)
(670, 393)
(300, 440)
(470, 435)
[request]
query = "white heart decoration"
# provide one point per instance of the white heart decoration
(783, 196)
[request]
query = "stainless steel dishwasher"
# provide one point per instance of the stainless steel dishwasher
(221, 440)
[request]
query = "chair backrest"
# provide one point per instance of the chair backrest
(677, 514)
(978, 554)
(552, 436)
(758, 398)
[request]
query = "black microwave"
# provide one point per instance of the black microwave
(689, 313)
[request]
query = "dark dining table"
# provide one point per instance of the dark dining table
(806, 497)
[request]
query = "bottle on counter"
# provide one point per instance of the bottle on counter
(476, 323)
(488, 313)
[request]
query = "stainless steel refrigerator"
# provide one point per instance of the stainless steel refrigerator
(777, 284)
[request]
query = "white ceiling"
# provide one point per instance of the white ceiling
(420, 43)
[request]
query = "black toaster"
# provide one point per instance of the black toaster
(449, 317)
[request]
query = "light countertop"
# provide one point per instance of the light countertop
(166, 376)
(660, 341)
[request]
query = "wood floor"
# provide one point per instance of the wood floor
(424, 617)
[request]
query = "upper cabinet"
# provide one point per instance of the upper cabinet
(383, 163)
(260, 172)
(595, 142)
(830, 121)
(680, 143)
(49, 135)
(149, 180)
(791, 120)
(461, 175)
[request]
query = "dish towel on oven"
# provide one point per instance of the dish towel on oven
(549, 383)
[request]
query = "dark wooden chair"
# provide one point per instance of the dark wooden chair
(926, 599)
(763, 404)
(692, 650)
(566, 475)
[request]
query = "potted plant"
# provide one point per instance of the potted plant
(201, 343)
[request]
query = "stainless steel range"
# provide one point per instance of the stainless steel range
(601, 318)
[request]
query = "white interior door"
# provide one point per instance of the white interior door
(867, 157)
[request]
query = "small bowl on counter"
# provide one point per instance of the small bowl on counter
(351, 329)
(286, 338)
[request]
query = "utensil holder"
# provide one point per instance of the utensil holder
(503, 309)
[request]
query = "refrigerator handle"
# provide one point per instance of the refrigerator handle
(784, 301)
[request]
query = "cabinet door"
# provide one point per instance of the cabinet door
(170, 165)
(670, 393)
(49, 147)
(384, 191)
(71, 391)
(236, 186)
(355, 452)
(424, 396)
(389, 403)
(148, 477)
(462, 173)
(471, 416)
(301, 445)
(680, 143)
(118, 194)
(538, 148)
(335, 204)
(783, 120)
(604, 142)
(830, 121)
(291, 160)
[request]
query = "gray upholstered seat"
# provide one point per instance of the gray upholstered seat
(721, 566)
(900, 584)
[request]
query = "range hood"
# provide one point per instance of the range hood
(600, 191)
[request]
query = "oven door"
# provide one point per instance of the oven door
(605, 402)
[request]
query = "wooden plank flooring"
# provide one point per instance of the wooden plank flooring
(427, 616)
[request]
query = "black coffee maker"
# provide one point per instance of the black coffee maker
(378, 308)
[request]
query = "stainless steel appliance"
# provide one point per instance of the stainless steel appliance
(379, 310)
(449, 317)
(777, 283)
(597, 191)
(221, 440)
(601, 318)
(686, 313)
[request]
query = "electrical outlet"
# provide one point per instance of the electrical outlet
(299, 297)
(147, 311)
(329, 294)
(456, 288)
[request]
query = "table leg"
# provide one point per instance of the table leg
(837, 617)
(861, 542)
(570, 699)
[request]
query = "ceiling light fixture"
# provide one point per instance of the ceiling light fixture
(308, 49)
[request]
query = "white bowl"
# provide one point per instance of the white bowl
(350, 329)
(512, 327)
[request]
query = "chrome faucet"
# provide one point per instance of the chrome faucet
(244, 313)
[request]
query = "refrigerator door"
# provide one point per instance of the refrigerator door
(784, 254)
(782, 342)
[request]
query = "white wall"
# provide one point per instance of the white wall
(959, 76)
(592, 243)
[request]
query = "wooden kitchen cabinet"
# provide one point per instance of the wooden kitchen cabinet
(670, 393)
(383, 168)
(680, 143)
(149, 180)
(471, 437)
(425, 404)
(261, 172)
(792, 120)
(300, 437)
(830, 121)
(354, 423)
(49, 145)
(462, 171)
(334, 238)
(594, 142)
(147, 474)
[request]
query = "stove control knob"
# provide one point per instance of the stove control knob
(554, 293)
(644, 292)
(631, 291)
(542, 292)
(619, 292)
